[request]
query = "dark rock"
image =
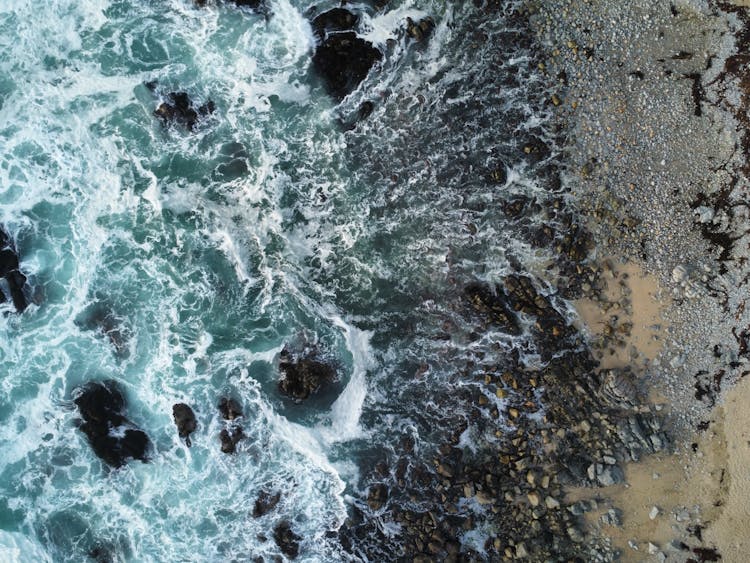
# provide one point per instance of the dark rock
(179, 109)
(342, 59)
(265, 503)
(494, 305)
(286, 539)
(113, 437)
(184, 418)
(229, 408)
(301, 377)
(9, 269)
(229, 439)
(334, 20)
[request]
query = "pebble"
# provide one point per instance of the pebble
(654, 512)
(551, 503)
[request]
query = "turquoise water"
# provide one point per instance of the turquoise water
(207, 252)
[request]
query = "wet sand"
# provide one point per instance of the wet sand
(630, 310)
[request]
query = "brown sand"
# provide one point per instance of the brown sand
(645, 301)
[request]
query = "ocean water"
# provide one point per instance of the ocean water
(180, 264)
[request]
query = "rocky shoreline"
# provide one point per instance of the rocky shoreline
(652, 179)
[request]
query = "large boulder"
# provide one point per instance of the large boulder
(286, 539)
(113, 437)
(9, 269)
(342, 58)
(178, 108)
(184, 419)
(304, 375)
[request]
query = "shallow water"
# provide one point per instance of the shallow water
(201, 255)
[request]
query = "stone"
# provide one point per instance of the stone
(653, 549)
(533, 497)
(521, 551)
(421, 30)
(114, 439)
(286, 539)
(99, 317)
(609, 475)
(551, 503)
(184, 419)
(654, 512)
(255, 5)
(575, 534)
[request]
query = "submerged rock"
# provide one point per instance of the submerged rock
(113, 437)
(265, 503)
(9, 269)
(100, 318)
(229, 408)
(229, 438)
(184, 419)
(377, 496)
(286, 539)
(179, 109)
(301, 377)
(231, 435)
(342, 59)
